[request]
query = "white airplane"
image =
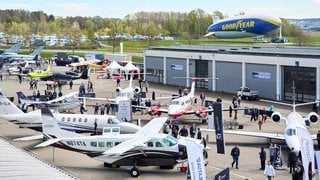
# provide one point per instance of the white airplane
(13, 49)
(9, 57)
(71, 122)
(146, 147)
(182, 106)
(292, 122)
(61, 104)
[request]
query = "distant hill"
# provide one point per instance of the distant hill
(307, 25)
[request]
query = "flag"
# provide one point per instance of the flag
(195, 159)
(307, 151)
(223, 175)
(218, 125)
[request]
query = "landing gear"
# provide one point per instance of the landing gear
(134, 172)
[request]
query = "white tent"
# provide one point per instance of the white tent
(114, 66)
(130, 68)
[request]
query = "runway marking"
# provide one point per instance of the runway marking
(244, 177)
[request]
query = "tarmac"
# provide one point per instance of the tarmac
(84, 167)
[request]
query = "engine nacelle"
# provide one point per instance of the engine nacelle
(313, 118)
(118, 89)
(276, 117)
(137, 89)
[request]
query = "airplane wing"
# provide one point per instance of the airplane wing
(30, 138)
(127, 145)
(252, 134)
(62, 97)
(48, 142)
(152, 127)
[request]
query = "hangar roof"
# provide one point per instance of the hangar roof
(306, 52)
(16, 163)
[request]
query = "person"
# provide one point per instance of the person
(96, 109)
(318, 139)
(107, 107)
(298, 172)
(102, 108)
(175, 130)
(82, 109)
(269, 171)
(199, 136)
(180, 91)
(253, 114)
(202, 97)
(95, 124)
(193, 130)
(118, 82)
(260, 122)
(146, 85)
(272, 152)
(219, 100)
(70, 84)
(183, 131)
(166, 128)
(292, 159)
(263, 156)
(239, 100)
(235, 153)
(140, 83)
(263, 115)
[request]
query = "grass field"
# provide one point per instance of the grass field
(140, 46)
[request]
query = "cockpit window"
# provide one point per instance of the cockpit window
(291, 132)
(170, 141)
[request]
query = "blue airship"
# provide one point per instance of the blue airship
(244, 26)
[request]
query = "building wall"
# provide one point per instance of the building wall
(176, 68)
(229, 74)
(262, 77)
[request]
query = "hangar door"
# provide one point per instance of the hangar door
(304, 79)
(202, 71)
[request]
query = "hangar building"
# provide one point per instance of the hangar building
(270, 70)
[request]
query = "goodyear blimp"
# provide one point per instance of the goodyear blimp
(244, 26)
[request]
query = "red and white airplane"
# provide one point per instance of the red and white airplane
(182, 106)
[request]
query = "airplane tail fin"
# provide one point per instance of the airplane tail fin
(85, 74)
(50, 126)
(193, 85)
(21, 95)
(37, 51)
(7, 107)
(14, 48)
(48, 69)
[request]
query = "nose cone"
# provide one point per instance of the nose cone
(129, 128)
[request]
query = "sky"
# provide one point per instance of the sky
(287, 9)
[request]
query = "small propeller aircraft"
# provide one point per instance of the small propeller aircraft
(182, 106)
(146, 147)
(59, 76)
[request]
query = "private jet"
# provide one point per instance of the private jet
(147, 147)
(296, 135)
(73, 122)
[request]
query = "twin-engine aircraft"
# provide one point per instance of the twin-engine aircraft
(182, 106)
(146, 147)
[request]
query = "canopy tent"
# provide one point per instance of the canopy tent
(130, 68)
(115, 66)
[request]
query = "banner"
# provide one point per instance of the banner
(223, 175)
(218, 124)
(307, 151)
(124, 111)
(195, 159)
(318, 161)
